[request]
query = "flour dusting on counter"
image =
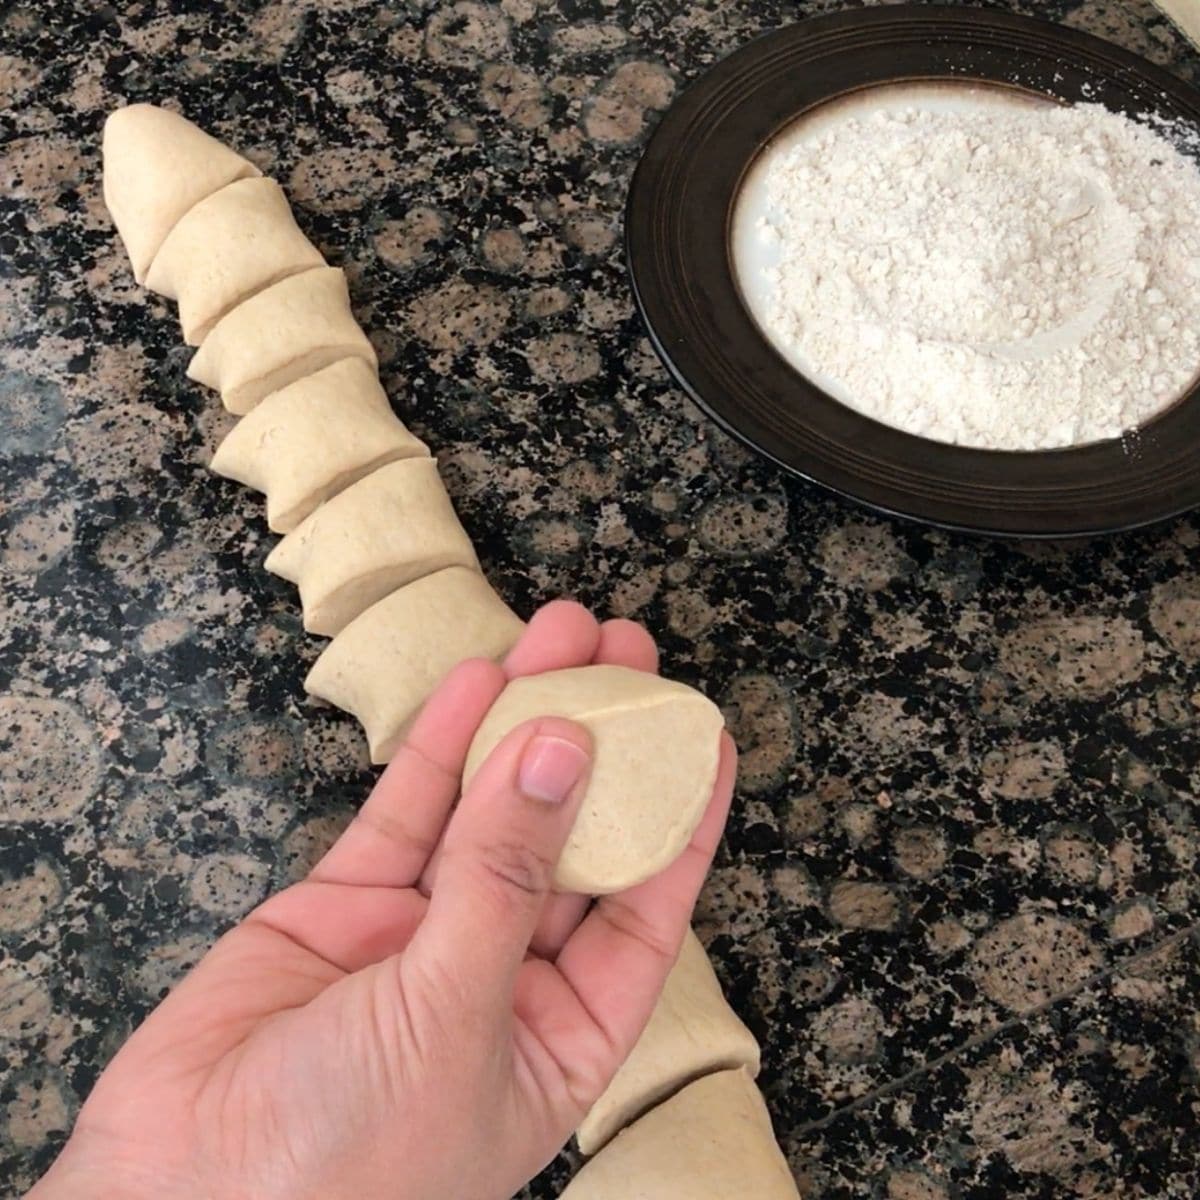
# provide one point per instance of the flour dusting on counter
(1004, 278)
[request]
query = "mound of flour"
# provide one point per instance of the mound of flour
(1015, 280)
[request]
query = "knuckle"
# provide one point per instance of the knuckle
(628, 921)
(394, 830)
(517, 867)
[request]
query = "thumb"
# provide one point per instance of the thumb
(498, 858)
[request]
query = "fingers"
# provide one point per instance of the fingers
(627, 644)
(561, 634)
(621, 643)
(617, 960)
(560, 918)
(390, 840)
(564, 634)
(347, 926)
(498, 859)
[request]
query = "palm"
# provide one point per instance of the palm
(280, 1053)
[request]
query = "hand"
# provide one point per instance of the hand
(420, 1018)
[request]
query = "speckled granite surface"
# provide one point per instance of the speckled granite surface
(958, 894)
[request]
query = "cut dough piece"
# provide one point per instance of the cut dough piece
(712, 1141)
(655, 755)
(157, 166)
(1185, 14)
(232, 244)
(382, 532)
(384, 664)
(692, 1032)
(315, 437)
(290, 330)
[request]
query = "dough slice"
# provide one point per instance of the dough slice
(315, 437)
(384, 664)
(232, 244)
(157, 166)
(692, 1032)
(389, 528)
(712, 1141)
(655, 760)
(289, 330)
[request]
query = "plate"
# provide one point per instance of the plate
(679, 235)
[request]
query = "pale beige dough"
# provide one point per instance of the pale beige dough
(231, 245)
(692, 1032)
(157, 166)
(384, 664)
(711, 1141)
(289, 330)
(314, 438)
(389, 528)
(656, 750)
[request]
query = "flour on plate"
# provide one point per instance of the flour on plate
(1013, 279)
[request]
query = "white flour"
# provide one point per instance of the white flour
(1012, 279)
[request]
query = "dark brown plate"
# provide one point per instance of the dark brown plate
(678, 241)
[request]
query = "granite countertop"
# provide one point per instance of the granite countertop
(959, 893)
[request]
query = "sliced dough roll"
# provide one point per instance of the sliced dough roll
(711, 1141)
(232, 244)
(315, 437)
(692, 1032)
(384, 664)
(157, 166)
(655, 756)
(290, 330)
(389, 528)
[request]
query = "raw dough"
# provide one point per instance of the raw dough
(692, 1032)
(382, 532)
(158, 165)
(712, 1141)
(287, 331)
(232, 244)
(315, 437)
(655, 760)
(384, 664)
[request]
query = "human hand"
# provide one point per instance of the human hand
(420, 1018)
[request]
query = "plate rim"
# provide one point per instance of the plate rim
(989, 31)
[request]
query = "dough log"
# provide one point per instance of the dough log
(711, 1141)
(289, 330)
(229, 246)
(384, 664)
(157, 167)
(692, 1032)
(313, 438)
(388, 529)
(656, 751)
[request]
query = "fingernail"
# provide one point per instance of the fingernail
(550, 768)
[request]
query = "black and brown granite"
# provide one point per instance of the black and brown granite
(959, 894)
